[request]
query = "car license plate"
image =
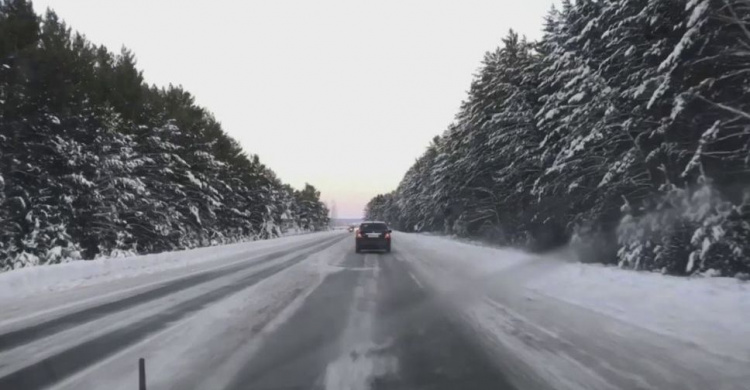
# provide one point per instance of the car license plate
(373, 235)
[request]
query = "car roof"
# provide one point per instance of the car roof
(364, 222)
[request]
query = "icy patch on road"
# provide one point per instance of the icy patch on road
(355, 370)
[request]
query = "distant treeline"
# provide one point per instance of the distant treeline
(95, 162)
(625, 131)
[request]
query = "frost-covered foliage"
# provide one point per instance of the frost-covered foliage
(693, 230)
(94, 162)
(625, 131)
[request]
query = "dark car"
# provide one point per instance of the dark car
(373, 235)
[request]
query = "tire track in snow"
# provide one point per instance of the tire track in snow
(65, 363)
(31, 333)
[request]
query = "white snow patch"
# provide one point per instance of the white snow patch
(688, 38)
(577, 98)
(193, 179)
(677, 107)
(707, 137)
(711, 312)
(698, 12)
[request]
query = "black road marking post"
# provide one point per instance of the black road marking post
(141, 374)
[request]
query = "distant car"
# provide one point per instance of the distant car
(351, 228)
(373, 235)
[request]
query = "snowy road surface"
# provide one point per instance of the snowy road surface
(307, 312)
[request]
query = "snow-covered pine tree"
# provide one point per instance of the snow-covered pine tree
(697, 146)
(93, 162)
(476, 200)
(641, 109)
(578, 145)
(313, 214)
(513, 162)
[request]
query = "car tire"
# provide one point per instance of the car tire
(357, 250)
(388, 249)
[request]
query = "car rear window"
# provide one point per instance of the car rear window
(373, 227)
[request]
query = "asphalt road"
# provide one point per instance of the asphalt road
(370, 325)
(374, 315)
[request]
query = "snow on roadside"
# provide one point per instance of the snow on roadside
(551, 313)
(476, 260)
(207, 349)
(51, 278)
(713, 312)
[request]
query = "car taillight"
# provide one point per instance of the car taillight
(388, 236)
(359, 234)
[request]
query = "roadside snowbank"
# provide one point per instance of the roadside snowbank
(715, 308)
(51, 278)
(713, 312)
(551, 313)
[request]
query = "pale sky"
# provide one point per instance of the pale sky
(343, 94)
